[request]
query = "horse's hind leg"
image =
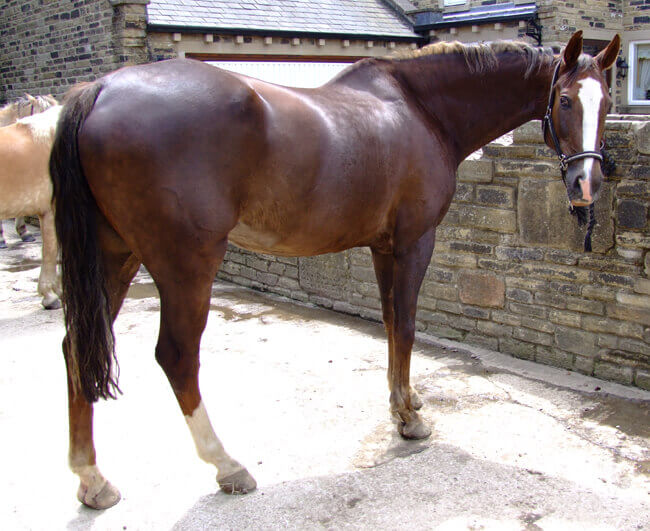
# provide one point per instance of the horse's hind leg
(3, 243)
(49, 284)
(21, 229)
(120, 266)
(184, 304)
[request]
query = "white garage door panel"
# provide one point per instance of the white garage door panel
(292, 74)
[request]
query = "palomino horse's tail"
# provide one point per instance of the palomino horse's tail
(89, 340)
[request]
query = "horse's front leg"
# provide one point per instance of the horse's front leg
(21, 229)
(409, 269)
(49, 283)
(384, 271)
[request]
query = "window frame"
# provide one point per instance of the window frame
(632, 54)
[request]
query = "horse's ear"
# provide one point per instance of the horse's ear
(30, 98)
(606, 58)
(572, 50)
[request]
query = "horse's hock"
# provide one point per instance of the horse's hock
(508, 272)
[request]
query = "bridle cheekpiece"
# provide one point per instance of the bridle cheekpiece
(565, 160)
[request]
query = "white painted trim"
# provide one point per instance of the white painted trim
(631, 74)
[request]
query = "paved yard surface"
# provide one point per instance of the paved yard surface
(299, 395)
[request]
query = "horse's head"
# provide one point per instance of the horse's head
(575, 121)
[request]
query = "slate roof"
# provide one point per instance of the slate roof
(337, 17)
(475, 15)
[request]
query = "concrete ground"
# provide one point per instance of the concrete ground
(298, 394)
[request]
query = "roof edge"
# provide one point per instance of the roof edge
(176, 28)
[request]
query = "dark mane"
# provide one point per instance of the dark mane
(482, 57)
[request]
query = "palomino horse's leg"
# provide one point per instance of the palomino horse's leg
(21, 229)
(409, 269)
(120, 266)
(49, 284)
(184, 306)
(384, 271)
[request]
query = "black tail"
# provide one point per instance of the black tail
(88, 322)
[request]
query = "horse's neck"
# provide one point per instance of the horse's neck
(471, 109)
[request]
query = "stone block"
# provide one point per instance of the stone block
(616, 373)
(519, 295)
(494, 329)
(327, 275)
(576, 341)
(488, 218)
(516, 348)
(544, 219)
(500, 196)
(642, 137)
(554, 357)
(642, 379)
(584, 365)
(491, 343)
(481, 288)
(631, 214)
(532, 336)
(629, 313)
(565, 318)
(642, 301)
(529, 133)
(480, 171)
(593, 323)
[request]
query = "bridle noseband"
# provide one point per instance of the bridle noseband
(565, 160)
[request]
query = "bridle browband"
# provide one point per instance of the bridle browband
(565, 160)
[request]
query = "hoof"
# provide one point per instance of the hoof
(416, 401)
(105, 498)
(27, 238)
(3, 245)
(238, 483)
(51, 303)
(414, 429)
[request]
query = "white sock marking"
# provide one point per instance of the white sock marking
(207, 443)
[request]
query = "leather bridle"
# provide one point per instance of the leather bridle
(565, 160)
(547, 126)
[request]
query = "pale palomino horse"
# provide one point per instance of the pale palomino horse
(25, 188)
(22, 107)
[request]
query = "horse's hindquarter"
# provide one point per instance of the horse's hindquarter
(25, 186)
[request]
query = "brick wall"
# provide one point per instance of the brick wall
(48, 46)
(508, 272)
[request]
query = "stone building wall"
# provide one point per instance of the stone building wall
(46, 47)
(508, 272)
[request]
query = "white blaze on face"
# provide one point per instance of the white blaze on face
(590, 95)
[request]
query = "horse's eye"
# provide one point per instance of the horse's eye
(565, 102)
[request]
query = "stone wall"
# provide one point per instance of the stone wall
(46, 47)
(508, 272)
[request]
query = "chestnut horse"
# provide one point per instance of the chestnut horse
(22, 107)
(26, 188)
(163, 164)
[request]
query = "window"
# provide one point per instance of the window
(639, 74)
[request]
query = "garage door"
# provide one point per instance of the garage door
(293, 74)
